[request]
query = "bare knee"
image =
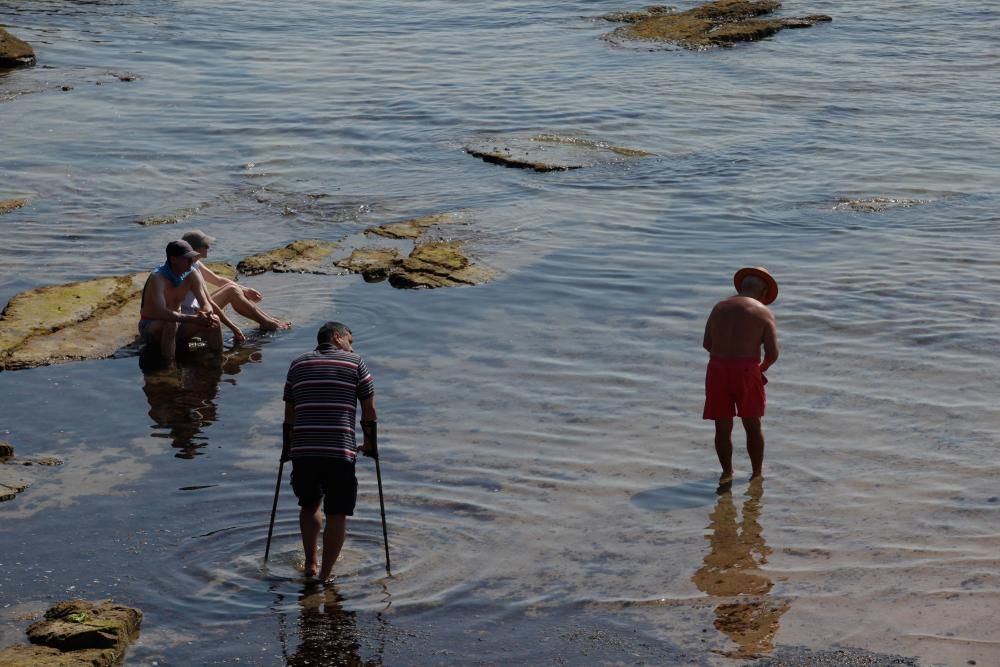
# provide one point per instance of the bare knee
(752, 425)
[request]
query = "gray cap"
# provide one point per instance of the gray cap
(198, 239)
(181, 249)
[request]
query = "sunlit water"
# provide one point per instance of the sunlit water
(548, 479)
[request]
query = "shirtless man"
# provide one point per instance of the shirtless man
(161, 320)
(242, 299)
(735, 332)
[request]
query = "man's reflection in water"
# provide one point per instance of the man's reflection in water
(327, 633)
(182, 399)
(732, 569)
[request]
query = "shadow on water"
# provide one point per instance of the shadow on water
(182, 399)
(731, 569)
(681, 496)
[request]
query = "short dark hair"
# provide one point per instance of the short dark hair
(329, 330)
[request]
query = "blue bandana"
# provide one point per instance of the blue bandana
(169, 274)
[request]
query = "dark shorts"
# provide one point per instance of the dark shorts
(333, 480)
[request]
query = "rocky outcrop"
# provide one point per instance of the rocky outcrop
(436, 264)
(719, 23)
(875, 204)
(8, 205)
(429, 265)
(91, 319)
(297, 257)
(373, 264)
(550, 152)
(77, 633)
(412, 229)
(6, 450)
(78, 624)
(83, 320)
(14, 52)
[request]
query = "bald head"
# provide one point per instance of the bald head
(753, 287)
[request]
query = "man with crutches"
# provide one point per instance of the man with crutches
(321, 394)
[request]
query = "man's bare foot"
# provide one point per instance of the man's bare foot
(273, 325)
(726, 477)
(312, 569)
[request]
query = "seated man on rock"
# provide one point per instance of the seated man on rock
(243, 299)
(162, 321)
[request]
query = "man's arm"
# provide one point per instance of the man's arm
(770, 341)
(707, 341)
(286, 431)
(369, 421)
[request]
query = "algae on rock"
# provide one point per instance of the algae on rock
(14, 52)
(411, 229)
(8, 205)
(303, 256)
(373, 264)
(436, 264)
(719, 23)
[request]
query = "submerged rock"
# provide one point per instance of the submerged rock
(876, 204)
(171, 219)
(550, 152)
(719, 23)
(297, 257)
(13, 480)
(14, 52)
(92, 319)
(78, 624)
(29, 655)
(373, 264)
(8, 205)
(437, 264)
(411, 229)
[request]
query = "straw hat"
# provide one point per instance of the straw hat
(763, 274)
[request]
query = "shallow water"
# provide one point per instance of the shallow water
(543, 452)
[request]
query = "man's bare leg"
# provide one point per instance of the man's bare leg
(333, 541)
(755, 445)
(310, 523)
(724, 448)
(232, 295)
(168, 338)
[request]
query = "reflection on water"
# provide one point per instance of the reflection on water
(182, 399)
(327, 632)
(732, 569)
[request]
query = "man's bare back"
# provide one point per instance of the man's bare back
(739, 327)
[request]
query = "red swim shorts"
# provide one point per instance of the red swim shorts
(734, 387)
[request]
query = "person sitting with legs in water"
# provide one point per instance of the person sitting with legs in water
(244, 300)
(162, 321)
(737, 329)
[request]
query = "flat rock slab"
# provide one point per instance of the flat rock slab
(876, 204)
(373, 264)
(412, 229)
(27, 655)
(172, 218)
(303, 256)
(91, 319)
(8, 205)
(75, 625)
(719, 23)
(14, 52)
(550, 152)
(436, 264)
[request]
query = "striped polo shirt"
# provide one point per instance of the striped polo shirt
(325, 386)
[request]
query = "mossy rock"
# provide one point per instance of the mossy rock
(28, 655)
(719, 23)
(411, 229)
(78, 624)
(373, 264)
(305, 256)
(82, 320)
(8, 205)
(550, 152)
(14, 52)
(437, 264)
